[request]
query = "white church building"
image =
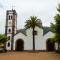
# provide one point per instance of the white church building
(22, 39)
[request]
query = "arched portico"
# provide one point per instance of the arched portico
(19, 45)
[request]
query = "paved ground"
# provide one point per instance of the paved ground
(29, 56)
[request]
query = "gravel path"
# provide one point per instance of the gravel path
(29, 56)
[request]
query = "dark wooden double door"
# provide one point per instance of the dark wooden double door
(49, 45)
(19, 45)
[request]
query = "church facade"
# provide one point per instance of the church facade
(22, 39)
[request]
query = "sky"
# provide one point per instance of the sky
(43, 9)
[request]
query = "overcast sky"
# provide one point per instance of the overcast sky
(43, 9)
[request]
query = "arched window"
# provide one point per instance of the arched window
(8, 44)
(9, 30)
(9, 17)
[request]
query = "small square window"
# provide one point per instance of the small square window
(35, 32)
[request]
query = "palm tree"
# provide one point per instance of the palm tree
(31, 23)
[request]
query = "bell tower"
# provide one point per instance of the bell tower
(11, 24)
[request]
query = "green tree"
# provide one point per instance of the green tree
(56, 27)
(3, 39)
(31, 23)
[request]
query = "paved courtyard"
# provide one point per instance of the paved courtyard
(29, 56)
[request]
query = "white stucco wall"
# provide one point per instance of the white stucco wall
(56, 45)
(27, 44)
(9, 22)
(40, 40)
(45, 37)
(9, 41)
(8, 48)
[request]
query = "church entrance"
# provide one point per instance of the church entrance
(49, 45)
(19, 45)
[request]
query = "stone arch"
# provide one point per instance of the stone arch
(19, 45)
(49, 45)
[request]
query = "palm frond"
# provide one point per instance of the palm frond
(32, 22)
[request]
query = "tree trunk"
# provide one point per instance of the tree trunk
(33, 40)
(58, 45)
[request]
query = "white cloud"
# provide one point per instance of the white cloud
(43, 9)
